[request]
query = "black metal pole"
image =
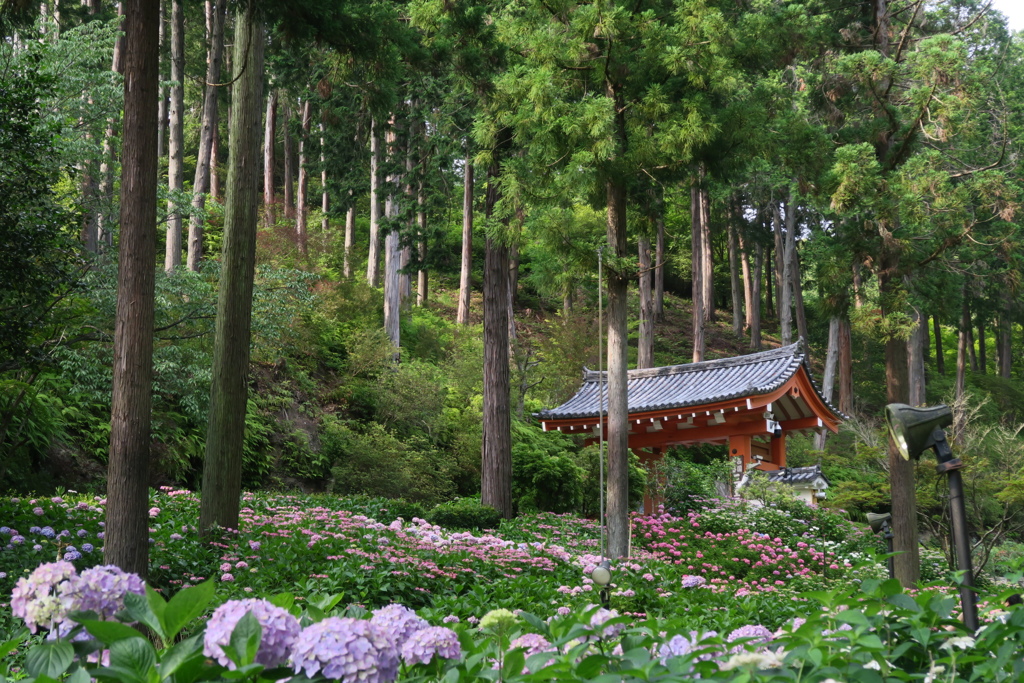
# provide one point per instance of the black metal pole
(888, 542)
(951, 467)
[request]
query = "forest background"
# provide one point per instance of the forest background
(437, 179)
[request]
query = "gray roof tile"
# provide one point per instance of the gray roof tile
(692, 384)
(797, 475)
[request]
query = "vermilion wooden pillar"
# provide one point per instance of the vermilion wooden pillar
(739, 447)
(779, 450)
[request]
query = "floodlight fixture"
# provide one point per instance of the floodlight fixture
(602, 574)
(915, 430)
(881, 523)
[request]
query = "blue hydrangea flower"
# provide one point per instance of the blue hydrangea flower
(691, 581)
(600, 617)
(398, 622)
(676, 646)
(48, 532)
(101, 589)
(34, 530)
(87, 547)
(345, 649)
(423, 645)
(82, 533)
(759, 635)
(5, 531)
(35, 597)
(280, 629)
(17, 539)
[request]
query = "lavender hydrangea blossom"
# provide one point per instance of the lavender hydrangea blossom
(676, 646)
(100, 589)
(691, 581)
(598, 620)
(346, 649)
(398, 622)
(35, 598)
(280, 630)
(423, 645)
(754, 633)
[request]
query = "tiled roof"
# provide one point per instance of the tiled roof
(693, 384)
(797, 475)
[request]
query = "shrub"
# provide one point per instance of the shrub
(545, 477)
(465, 513)
(688, 485)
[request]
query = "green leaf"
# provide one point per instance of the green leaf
(283, 600)
(140, 610)
(245, 639)
(50, 658)
(853, 617)
(591, 666)
(175, 657)
(8, 646)
(903, 601)
(108, 632)
(135, 655)
(185, 606)
(78, 676)
(158, 606)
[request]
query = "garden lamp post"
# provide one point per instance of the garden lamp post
(882, 523)
(914, 430)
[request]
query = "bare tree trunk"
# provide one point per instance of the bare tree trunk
(229, 394)
(325, 200)
(496, 458)
(127, 521)
(780, 262)
(301, 212)
(392, 248)
(659, 260)
(798, 293)
(734, 277)
(972, 356)
(106, 187)
(748, 286)
(215, 13)
(1004, 344)
(161, 115)
(350, 235)
(755, 298)
(786, 244)
(707, 277)
(567, 297)
(405, 277)
(829, 380)
(421, 224)
(940, 356)
(845, 367)
(960, 381)
(858, 286)
(618, 411)
(915, 358)
(513, 287)
(176, 158)
(645, 344)
(373, 257)
(982, 350)
(289, 161)
(269, 138)
(466, 271)
(697, 271)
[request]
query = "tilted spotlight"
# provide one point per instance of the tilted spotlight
(914, 430)
(881, 523)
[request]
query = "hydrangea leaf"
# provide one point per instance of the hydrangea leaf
(139, 609)
(245, 640)
(50, 658)
(185, 606)
(108, 632)
(135, 655)
(177, 656)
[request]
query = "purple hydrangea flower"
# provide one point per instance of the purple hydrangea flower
(600, 617)
(345, 649)
(17, 539)
(48, 532)
(82, 533)
(176, 537)
(423, 645)
(72, 555)
(691, 581)
(398, 622)
(37, 547)
(5, 531)
(38, 512)
(87, 547)
(34, 530)
(280, 629)
(676, 646)
(533, 643)
(100, 589)
(254, 545)
(35, 599)
(759, 634)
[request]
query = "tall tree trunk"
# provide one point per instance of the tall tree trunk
(748, 286)
(707, 277)
(645, 344)
(301, 210)
(780, 263)
(845, 367)
(829, 380)
(916, 356)
(269, 138)
(405, 277)
(466, 271)
(567, 296)
(940, 356)
(659, 259)
(982, 348)
(215, 12)
(796, 281)
(972, 356)
(901, 472)
(786, 244)
(127, 521)
(1004, 344)
(769, 278)
(734, 276)
(176, 157)
(161, 112)
(229, 394)
(109, 159)
(618, 411)
(697, 271)
(858, 286)
(755, 298)
(496, 458)
(289, 161)
(350, 234)
(960, 381)
(421, 225)
(325, 200)
(373, 256)
(513, 288)
(392, 246)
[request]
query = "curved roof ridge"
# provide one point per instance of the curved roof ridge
(795, 350)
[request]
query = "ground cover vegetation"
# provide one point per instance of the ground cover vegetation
(361, 351)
